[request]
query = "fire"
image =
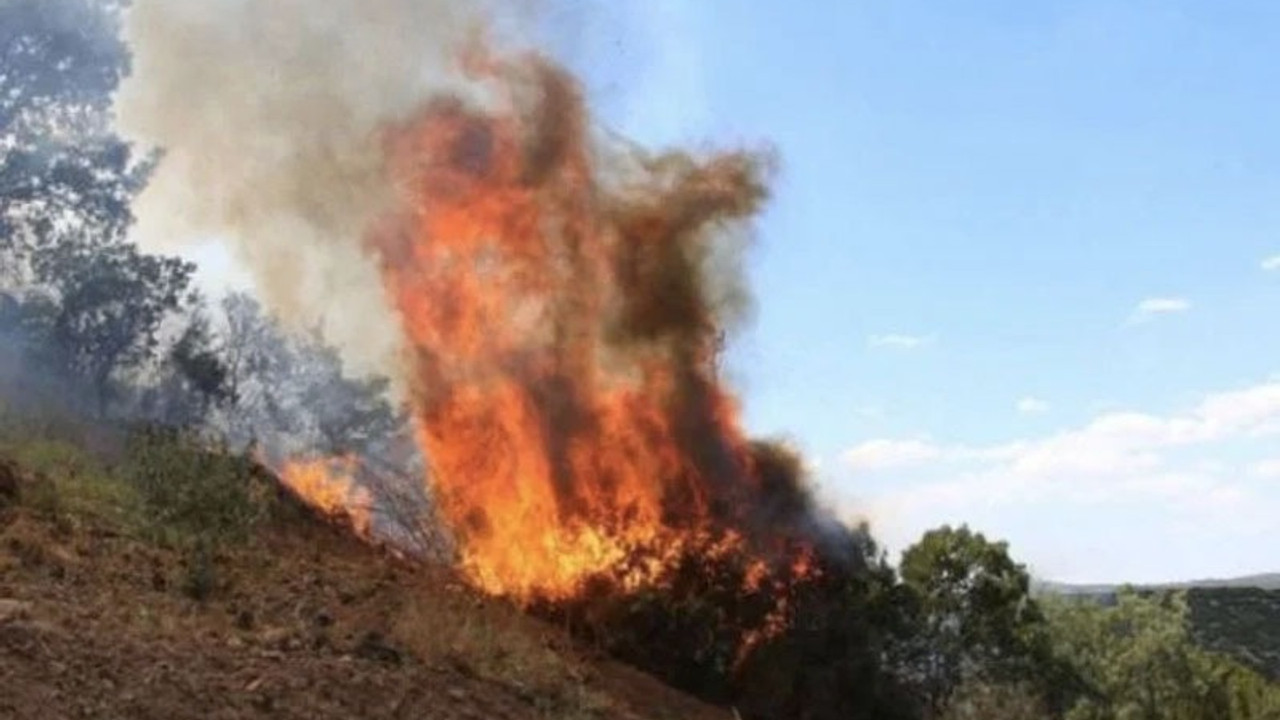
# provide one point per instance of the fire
(562, 325)
(562, 305)
(330, 487)
(780, 617)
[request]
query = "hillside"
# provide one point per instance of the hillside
(1263, 581)
(1243, 622)
(1236, 616)
(300, 621)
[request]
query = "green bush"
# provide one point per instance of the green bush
(195, 496)
(995, 701)
(64, 481)
(190, 492)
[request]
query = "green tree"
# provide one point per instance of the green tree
(59, 56)
(976, 619)
(99, 307)
(90, 303)
(62, 172)
(194, 379)
(1140, 661)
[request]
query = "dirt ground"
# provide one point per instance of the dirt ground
(306, 623)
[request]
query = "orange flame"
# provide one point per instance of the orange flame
(329, 487)
(562, 327)
(562, 334)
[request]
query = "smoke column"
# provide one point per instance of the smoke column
(268, 112)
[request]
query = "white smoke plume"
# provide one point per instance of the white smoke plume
(268, 113)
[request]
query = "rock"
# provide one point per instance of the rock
(11, 610)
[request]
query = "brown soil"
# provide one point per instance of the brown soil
(308, 623)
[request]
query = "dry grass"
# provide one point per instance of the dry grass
(66, 482)
(494, 641)
(288, 574)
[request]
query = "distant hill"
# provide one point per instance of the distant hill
(1261, 581)
(1243, 622)
(1239, 617)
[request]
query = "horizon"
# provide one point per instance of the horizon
(1017, 266)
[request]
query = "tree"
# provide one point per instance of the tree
(839, 659)
(59, 56)
(61, 171)
(976, 619)
(91, 304)
(256, 354)
(1140, 662)
(293, 393)
(197, 361)
(195, 377)
(98, 309)
(813, 640)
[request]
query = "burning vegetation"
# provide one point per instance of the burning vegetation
(483, 333)
(561, 334)
(561, 304)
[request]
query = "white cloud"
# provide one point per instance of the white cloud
(1152, 307)
(899, 341)
(1033, 406)
(885, 454)
(1206, 470)
(1271, 264)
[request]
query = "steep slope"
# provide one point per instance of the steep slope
(301, 622)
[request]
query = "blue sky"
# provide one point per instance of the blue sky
(1015, 271)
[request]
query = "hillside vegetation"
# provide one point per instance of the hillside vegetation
(252, 606)
(1239, 617)
(221, 595)
(1241, 622)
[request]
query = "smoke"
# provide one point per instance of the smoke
(268, 113)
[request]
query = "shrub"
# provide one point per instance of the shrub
(995, 701)
(194, 496)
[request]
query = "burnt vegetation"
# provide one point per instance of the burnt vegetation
(182, 404)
